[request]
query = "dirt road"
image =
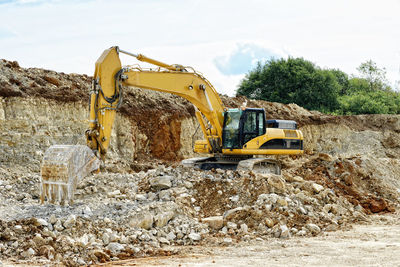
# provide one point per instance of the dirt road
(377, 244)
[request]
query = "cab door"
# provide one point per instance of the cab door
(252, 125)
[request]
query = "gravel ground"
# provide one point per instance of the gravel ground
(373, 244)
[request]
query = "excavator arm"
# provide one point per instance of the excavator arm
(110, 77)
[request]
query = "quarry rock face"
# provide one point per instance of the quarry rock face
(143, 201)
(49, 108)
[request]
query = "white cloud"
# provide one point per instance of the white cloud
(244, 58)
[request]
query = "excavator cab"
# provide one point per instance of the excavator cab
(241, 126)
(247, 129)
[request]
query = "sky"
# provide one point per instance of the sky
(223, 39)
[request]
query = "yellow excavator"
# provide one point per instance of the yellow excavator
(237, 138)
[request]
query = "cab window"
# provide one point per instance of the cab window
(231, 129)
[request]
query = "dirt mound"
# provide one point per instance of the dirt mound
(347, 178)
(33, 82)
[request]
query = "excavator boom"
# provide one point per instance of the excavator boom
(175, 79)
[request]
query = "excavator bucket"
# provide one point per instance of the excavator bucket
(63, 166)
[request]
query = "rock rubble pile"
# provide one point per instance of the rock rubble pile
(118, 216)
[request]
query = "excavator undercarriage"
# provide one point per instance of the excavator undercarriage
(239, 163)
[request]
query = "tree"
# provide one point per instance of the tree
(292, 80)
(375, 76)
(358, 85)
(296, 80)
(343, 79)
(373, 102)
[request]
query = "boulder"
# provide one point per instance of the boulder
(163, 218)
(161, 182)
(70, 221)
(214, 222)
(277, 184)
(313, 228)
(115, 247)
(285, 233)
(195, 236)
(143, 220)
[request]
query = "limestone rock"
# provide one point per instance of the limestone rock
(313, 228)
(83, 241)
(163, 240)
(87, 211)
(284, 231)
(317, 187)
(165, 195)
(269, 222)
(18, 228)
(215, 222)
(325, 157)
(53, 219)
(267, 199)
(58, 225)
(39, 240)
(277, 183)
(115, 247)
(106, 238)
(142, 220)
(114, 193)
(41, 222)
(161, 182)
(140, 197)
(227, 241)
(295, 179)
(231, 225)
(28, 253)
(244, 228)
(47, 251)
(163, 218)
(224, 230)
(171, 236)
(101, 255)
(303, 210)
(301, 233)
(70, 221)
(234, 198)
(195, 236)
(282, 202)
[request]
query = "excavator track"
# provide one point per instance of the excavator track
(256, 165)
(63, 166)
